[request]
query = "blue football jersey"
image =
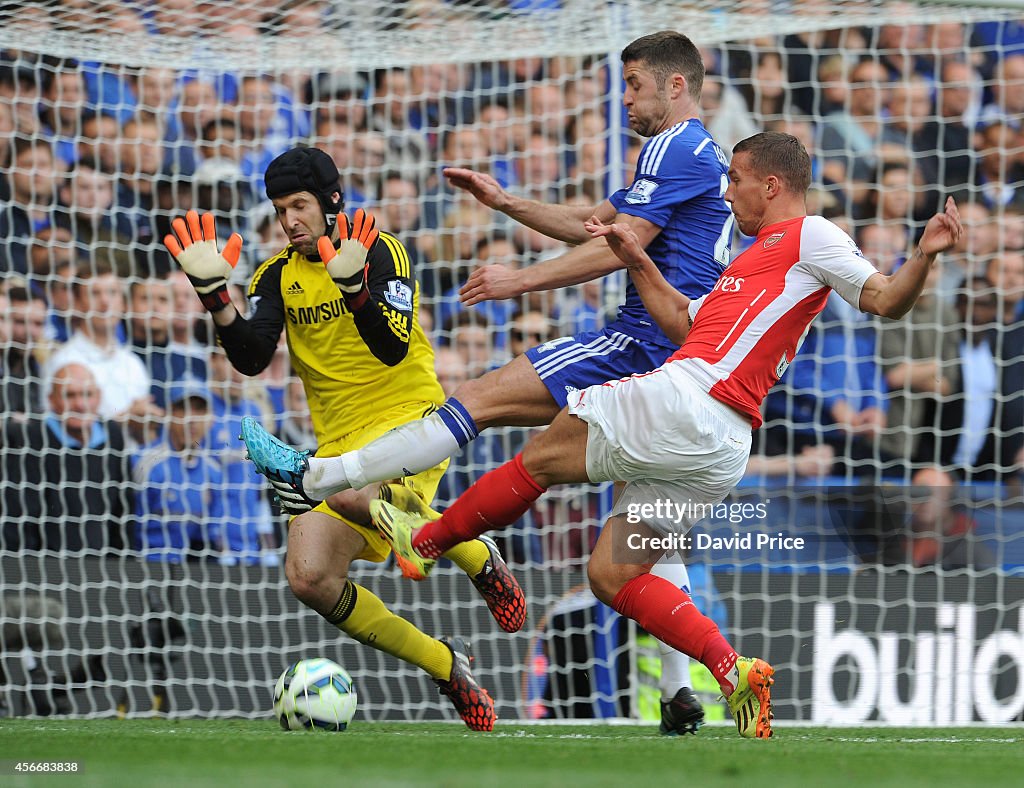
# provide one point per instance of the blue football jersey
(680, 181)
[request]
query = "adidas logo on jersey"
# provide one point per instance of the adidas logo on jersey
(295, 289)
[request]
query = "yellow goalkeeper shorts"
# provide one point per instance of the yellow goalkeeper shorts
(422, 484)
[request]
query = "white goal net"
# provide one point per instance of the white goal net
(894, 450)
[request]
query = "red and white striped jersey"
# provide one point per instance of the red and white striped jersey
(747, 330)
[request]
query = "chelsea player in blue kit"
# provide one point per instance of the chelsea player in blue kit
(675, 205)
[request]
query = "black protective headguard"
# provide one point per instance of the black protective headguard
(306, 170)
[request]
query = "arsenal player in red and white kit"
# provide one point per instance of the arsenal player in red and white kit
(681, 433)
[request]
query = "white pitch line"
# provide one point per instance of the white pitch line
(898, 740)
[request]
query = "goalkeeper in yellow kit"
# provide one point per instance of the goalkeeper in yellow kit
(347, 299)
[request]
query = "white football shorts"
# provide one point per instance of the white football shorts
(668, 439)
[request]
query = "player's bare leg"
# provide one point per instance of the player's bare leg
(320, 550)
(681, 711)
(621, 578)
(511, 396)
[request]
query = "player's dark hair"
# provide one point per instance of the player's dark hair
(780, 154)
(666, 53)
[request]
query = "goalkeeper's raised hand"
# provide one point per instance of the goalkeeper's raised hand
(208, 269)
(347, 263)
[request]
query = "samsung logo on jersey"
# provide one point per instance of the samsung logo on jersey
(321, 313)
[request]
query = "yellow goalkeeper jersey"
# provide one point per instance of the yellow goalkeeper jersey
(362, 362)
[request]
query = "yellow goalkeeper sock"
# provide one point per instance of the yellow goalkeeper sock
(361, 615)
(470, 557)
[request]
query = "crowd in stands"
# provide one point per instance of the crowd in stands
(120, 413)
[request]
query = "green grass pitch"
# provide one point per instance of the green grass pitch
(194, 753)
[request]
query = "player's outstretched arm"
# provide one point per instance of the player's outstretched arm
(590, 260)
(668, 307)
(249, 344)
(376, 282)
(563, 222)
(894, 296)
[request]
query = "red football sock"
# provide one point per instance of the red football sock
(668, 613)
(498, 498)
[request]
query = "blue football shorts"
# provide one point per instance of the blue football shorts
(572, 363)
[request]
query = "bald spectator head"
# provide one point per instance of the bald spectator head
(74, 398)
(540, 166)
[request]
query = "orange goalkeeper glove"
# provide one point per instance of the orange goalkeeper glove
(208, 269)
(347, 263)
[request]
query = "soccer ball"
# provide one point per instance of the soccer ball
(314, 693)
